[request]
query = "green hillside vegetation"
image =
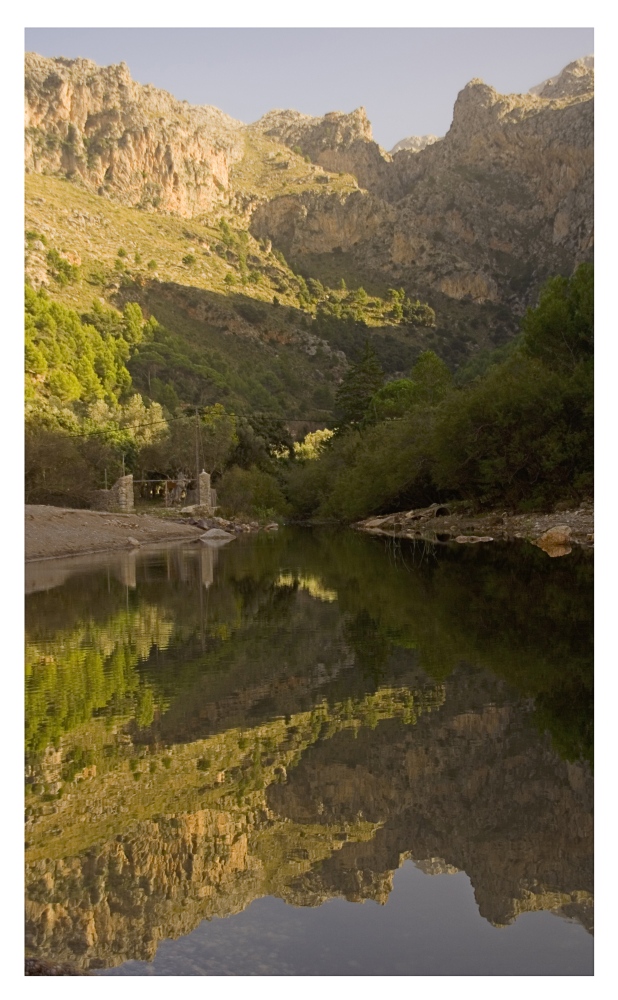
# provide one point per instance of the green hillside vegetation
(144, 318)
(520, 434)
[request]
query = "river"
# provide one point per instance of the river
(311, 752)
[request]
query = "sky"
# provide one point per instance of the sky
(406, 78)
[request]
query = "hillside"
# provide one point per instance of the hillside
(473, 223)
(181, 259)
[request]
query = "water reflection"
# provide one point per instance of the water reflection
(295, 716)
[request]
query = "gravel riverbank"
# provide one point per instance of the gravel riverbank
(59, 531)
(556, 533)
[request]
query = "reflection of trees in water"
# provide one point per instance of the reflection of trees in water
(223, 736)
(508, 608)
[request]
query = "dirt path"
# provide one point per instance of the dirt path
(58, 531)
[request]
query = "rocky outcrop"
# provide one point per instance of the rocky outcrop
(574, 80)
(414, 143)
(134, 143)
(486, 213)
(342, 143)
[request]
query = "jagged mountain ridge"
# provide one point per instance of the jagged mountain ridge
(484, 214)
(503, 200)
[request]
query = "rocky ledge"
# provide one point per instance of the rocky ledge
(555, 533)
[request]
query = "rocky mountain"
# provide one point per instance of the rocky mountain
(486, 213)
(473, 223)
(574, 79)
(414, 143)
(136, 144)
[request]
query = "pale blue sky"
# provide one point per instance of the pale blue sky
(407, 78)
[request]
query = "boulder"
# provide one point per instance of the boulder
(555, 541)
(216, 536)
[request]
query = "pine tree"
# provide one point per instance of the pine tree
(357, 387)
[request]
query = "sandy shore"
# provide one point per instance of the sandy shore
(58, 531)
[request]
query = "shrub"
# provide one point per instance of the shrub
(250, 492)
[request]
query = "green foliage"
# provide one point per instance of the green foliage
(189, 259)
(63, 272)
(358, 386)
(560, 331)
(173, 452)
(418, 313)
(152, 265)
(394, 399)
(519, 435)
(312, 445)
(82, 362)
(251, 492)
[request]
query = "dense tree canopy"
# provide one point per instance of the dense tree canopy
(520, 434)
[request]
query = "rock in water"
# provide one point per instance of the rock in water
(556, 541)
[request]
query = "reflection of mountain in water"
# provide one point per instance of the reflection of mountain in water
(301, 746)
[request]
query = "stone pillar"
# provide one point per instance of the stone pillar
(203, 490)
(124, 493)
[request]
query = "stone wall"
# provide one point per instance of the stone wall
(118, 498)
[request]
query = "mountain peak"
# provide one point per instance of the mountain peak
(576, 79)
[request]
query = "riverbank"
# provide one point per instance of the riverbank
(61, 531)
(556, 533)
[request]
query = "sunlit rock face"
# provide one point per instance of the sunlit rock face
(133, 143)
(486, 213)
(502, 200)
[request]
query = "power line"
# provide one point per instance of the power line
(169, 420)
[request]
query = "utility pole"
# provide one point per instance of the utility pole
(197, 457)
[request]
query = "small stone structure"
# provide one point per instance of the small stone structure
(206, 496)
(118, 498)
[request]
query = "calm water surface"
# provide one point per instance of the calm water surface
(311, 753)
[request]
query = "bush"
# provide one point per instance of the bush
(250, 492)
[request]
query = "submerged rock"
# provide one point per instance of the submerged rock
(216, 534)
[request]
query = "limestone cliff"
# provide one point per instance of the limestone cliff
(414, 143)
(134, 143)
(504, 199)
(342, 143)
(485, 214)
